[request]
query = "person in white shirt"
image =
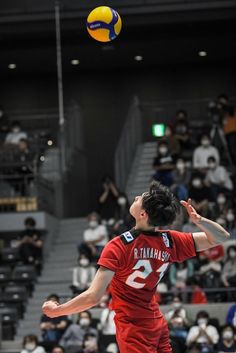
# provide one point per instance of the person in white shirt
(83, 275)
(203, 152)
(30, 345)
(217, 177)
(202, 334)
(95, 238)
(16, 134)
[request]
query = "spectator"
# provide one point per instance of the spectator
(58, 349)
(107, 324)
(107, 200)
(199, 194)
(203, 152)
(52, 328)
(4, 125)
(221, 206)
(181, 178)
(202, 335)
(83, 275)
(227, 342)
(95, 237)
(210, 266)
(30, 345)
(177, 311)
(73, 338)
(122, 211)
(229, 126)
(228, 275)
(163, 165)
(16, 134)
(179, 273)
(231, 316)
(90, 343)
(217, 178)
(31, 244)
(173, 143)
(198, 295)
(182, 134)
(230, 222)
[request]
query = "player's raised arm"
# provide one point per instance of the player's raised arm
(212, 232)
(85, 300)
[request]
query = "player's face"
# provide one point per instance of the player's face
(136, 209)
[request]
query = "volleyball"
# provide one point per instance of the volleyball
(104, 24)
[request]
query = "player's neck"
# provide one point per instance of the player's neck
(144, 226)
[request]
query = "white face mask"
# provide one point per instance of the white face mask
(196, 182)
(180, 166)
(227, 335)
(230, 217)
(221, 200)
(202, 322)
(84, 322)
(121, 201)
(93, 224)
(16, 130)
(177, 305)
(30, 346)
(232, 254)
(84, 262)
(212, 165)
(163, 150)
(205, 143)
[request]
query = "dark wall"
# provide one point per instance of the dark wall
(104, 98)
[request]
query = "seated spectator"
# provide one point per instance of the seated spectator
(173, 143)
(95, 237)
(217, 178)
(163, 165)
(31, 244)
(230, 222)
(179, 273)
(227, 342)
(199, 194)
(182, 133)
(52, 328)
(231, 316)
(203, 152)
(177, 311)
(16, 134)
(181, 178)
(198, 295)
(221, 206)
(30, 345)
(229, 126)
(123, 206)
(107, 324)
(202, 335)
(83, 274)
(73, 338)
(58, 349)
(228, 275)
(90, 343)
(107, 199)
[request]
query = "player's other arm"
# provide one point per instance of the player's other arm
(212, 233)
(85, 300)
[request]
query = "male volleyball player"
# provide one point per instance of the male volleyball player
(133, 263)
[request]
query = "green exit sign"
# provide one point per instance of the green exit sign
(158, 130)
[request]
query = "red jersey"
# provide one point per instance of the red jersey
(140, 260)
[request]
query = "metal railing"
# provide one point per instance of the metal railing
(130, 138)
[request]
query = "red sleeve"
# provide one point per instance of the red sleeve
(112, 256)
(183, 246)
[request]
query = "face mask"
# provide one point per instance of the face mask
(167, 132)
(16, 129)
(30, 346)
(232, 254)
(180, 166)
(230, 217)
(163, 150)
(227, 335)
(84, 322)
(205, 143)
(177, 305)
(93, 224)
(212, 165)
(221, 200)
(202, 322)
(121, 201)
(84, 262)
(196, 182)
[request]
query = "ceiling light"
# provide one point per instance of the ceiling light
(74, 62)
(42, 158)
(202, 53)
(12, 66)
(138, 58)
(50, 142)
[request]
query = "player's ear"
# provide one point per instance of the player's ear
(143, 214)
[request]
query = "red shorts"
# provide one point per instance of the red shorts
(142, 335)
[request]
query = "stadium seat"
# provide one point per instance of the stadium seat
(10, 255)
(5, 274)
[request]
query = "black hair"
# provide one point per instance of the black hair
(211, 158)
(15, 123)
(224, 96)
(182, 111)
(30, 221)
(53, 295)
(87, 312)
(58, 346)
(30, 337)
(160, 205)
(231, 247)
(203, 313)
(228, 326)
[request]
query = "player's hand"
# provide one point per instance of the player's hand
(195, 217)
(50, 307)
